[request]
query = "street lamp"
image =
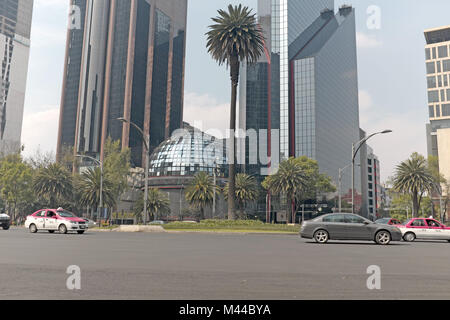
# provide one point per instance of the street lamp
(100, 163)
(216, 169)
(146, 139)
(355, 149)
(341, 172)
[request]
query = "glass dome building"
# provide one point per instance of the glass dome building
(174, 164)
(187, 152)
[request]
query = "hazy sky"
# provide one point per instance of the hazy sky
(391, 63)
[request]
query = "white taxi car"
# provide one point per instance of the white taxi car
(52, 220)
(424, 229)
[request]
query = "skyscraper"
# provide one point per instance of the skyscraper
(306, 85)
(438, 69)
(15, 28)
(127, 60)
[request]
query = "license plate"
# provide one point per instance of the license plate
(82, 227)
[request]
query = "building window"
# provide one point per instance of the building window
(445, 65)
(438, 111)
(433, 96)
(440, 81)
(431, 82)
(445, 80)
(369, 161)
(431, 111)
(370, 186)
(434, 53)
(428, 53)
(446, 110)
(443, 52)
(438, 63)
(431, 67)
(442, 95)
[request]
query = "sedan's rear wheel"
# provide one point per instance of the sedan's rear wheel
(409, 237)
(33, 228)
(6, 227)
(383, 238)
(62, 229)
(321, 236)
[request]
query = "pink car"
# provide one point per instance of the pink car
(52, 220)
(423, 228)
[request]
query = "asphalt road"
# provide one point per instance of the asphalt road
(216, 266)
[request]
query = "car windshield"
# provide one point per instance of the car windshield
(66, 214)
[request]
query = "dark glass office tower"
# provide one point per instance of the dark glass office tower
(15, 28)
(305, 85)
(127, 60)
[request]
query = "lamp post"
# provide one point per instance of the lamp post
(215, 183)
(355, 149)
(146, 139)
(101, 180)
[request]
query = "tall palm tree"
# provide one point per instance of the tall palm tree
(235, 37)
(200, 193)
(413, 177)
(53, 184)
(290, 180)
(89, 189)
(157, 204)
(246, 190)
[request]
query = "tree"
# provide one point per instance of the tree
(53, 184)
(246, 190)
(412, 177)
(441, 185)
(235, 37)
(290, 180)
(16, 179)
(157, 204)
(316, 183)
(88, 188)
(116, 165)
(200, 193)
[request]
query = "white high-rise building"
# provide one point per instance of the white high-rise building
(15, 28)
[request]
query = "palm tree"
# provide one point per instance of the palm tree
(200, 193)
(413, 177)
(235, 37)
(290, 180)
(157, 204)
(89, 189)
(246, 190)
(53, 184)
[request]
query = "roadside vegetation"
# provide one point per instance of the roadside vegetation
(232, 226)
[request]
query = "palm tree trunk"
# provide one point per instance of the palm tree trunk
(234, 72)
(415, 205)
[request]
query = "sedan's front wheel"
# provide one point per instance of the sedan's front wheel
(383, 238)
(33, 228)
(321, 236)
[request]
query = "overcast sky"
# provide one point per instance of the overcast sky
(391, 64)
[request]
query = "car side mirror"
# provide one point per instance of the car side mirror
(366, 222)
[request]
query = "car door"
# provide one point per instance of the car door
(435, 230)
(39, 219)
(419, 227)
(335, 225)
(356, 229)
(50, 221)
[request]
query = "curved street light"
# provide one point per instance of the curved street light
(100, 163)
(146, 139)
(355, 149)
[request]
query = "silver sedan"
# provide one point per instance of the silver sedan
(345, 226)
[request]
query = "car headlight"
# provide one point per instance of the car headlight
(74, 222)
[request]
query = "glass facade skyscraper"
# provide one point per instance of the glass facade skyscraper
(127, 60)
(306, 85)
(15, 28)
(437, 56)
